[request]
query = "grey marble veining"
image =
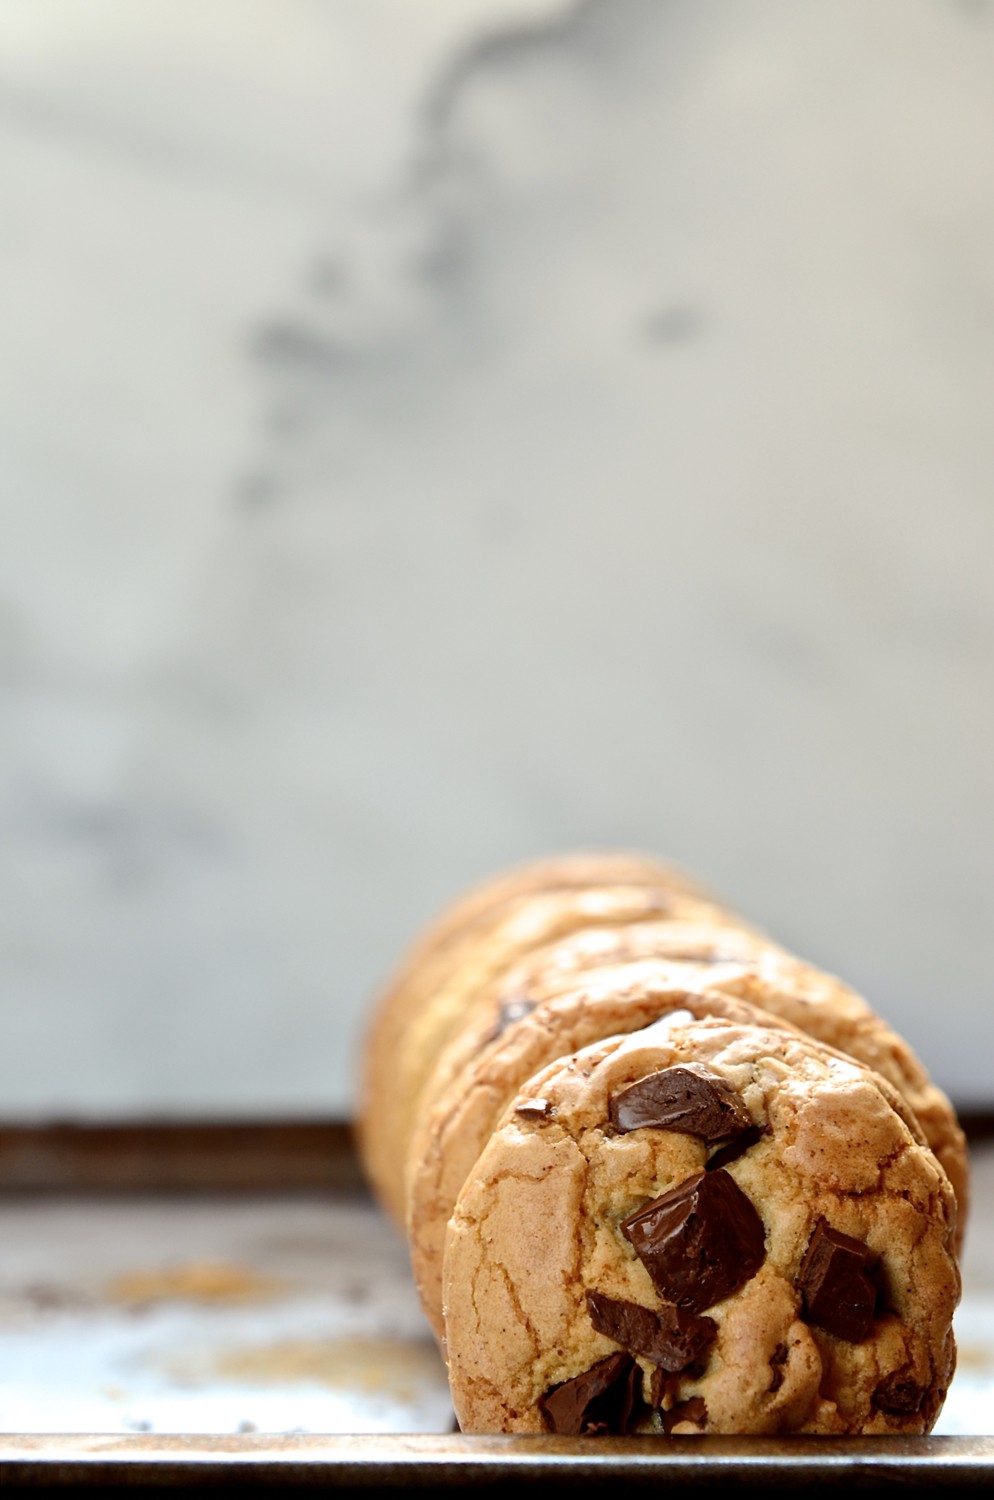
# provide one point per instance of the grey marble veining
(431, 435)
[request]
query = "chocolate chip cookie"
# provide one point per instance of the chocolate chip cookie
(542, 1011)
(703, 1226)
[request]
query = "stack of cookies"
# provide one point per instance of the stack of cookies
(657, 1174)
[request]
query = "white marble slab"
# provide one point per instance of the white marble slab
(434, 434)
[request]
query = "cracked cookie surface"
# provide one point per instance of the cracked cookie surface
(796, 1276)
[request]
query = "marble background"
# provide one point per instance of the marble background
(434, 432)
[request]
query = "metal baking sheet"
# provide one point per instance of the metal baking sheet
(211, 1315)
(443, 1464)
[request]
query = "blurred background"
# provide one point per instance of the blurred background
(439, 432)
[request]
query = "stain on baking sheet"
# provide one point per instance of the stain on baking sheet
(50, 1297)
(392, 1367)
(203, 1281)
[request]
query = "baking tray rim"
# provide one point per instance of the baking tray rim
(450, 1460)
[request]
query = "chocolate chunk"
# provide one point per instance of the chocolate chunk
(695, 1410)
(510, 1011)
(836, 1290)
(690, 1099)
(672, 1337)
(778, 1359)
(604, 1399)
(659, 1385)
(899, 1395)
(700, 1241)
(534, 1109)
(630, 1405)
(734, 1149)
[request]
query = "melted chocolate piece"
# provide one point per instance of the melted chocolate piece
(604, 1399)
(630, 1406)
(659, 1384)
(834, 1281)
(510, 1011)
(695, 1410)
(700, 1241)
(690, 1099)
(734, 1149)
(899, 1395)
(672, 1338)
(534, 1109)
